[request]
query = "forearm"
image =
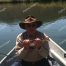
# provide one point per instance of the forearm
(22, 52)
(43, 52)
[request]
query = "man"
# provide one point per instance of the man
(32, 46)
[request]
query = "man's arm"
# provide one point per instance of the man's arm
(44, 50)
(20, 50)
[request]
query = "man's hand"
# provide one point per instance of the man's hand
(46, 38)
(26, 43)
(38, 42)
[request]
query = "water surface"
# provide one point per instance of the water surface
(54, 25)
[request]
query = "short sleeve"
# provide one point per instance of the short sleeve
(19, 44)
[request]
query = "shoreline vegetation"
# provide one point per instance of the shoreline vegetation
(59, 3)
(30, 1)
(44, 11)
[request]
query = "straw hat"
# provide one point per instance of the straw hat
(30, 21)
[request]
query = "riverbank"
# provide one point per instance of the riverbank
(45, 12)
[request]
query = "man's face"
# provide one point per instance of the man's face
(31, 28)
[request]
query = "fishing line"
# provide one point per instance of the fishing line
(3, 9)
(62, 42)
(6, 43)
(29, 7)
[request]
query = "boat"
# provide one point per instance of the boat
(56, 52)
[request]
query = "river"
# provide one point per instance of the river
(54, 24)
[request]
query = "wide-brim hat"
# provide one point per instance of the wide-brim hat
(30, 20)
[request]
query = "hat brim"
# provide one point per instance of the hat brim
(37, 24)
